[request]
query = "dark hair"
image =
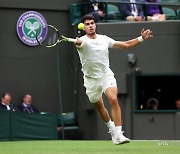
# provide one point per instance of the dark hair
(87, 17)
(4, 94)
(26, 95)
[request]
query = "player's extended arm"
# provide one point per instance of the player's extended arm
(145, 34)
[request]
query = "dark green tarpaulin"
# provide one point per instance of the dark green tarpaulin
(5, 126)
(22, 126)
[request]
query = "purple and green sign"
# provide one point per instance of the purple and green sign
(27, 26)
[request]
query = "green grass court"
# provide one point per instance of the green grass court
(89, 147)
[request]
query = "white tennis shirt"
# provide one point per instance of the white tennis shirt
(94, 55)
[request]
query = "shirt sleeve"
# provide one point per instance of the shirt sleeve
(110, 41)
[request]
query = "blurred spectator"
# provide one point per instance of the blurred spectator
(98, 11)
(27, 106)
(6, 104)
(132, 12)
(178, 104)
(154, 11)
(152, 104)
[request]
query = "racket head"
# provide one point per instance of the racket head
(51, 38)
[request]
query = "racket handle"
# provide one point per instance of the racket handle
(71, 40)
(68, 39)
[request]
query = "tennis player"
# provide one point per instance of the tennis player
(98, 77)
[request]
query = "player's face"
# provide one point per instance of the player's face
(90, 27)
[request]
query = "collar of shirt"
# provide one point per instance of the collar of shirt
(25, 105)
(7, 106)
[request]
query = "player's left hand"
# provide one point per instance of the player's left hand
(146, 34)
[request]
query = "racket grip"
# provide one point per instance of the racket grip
(71, 40)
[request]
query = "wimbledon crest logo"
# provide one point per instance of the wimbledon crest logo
(28, 24)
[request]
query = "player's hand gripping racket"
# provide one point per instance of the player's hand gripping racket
(52, 37)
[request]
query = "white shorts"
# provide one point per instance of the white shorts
(96, 87)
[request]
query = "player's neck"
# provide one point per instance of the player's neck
(91, 36)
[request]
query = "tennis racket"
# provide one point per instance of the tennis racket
(52, 36)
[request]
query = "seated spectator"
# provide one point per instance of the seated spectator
(132, 12)
(178, 104)
(154, 11)
(6, 104)
(152, 104)
(98, 11)
(27, 106)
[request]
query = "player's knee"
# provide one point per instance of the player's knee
(114, 101)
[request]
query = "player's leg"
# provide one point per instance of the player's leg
(94, 90)
(102, 110)
(106, 118)
(111, 93)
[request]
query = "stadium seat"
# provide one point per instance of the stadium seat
(178, 14)
(68, 120)
(70, 129)
(75, 14)
(170, 13)
(114, 9)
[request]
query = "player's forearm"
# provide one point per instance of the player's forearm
(132, 43)
(128, 44)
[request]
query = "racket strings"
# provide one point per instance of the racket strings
(51, 38)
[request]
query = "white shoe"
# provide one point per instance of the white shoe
(121, 139)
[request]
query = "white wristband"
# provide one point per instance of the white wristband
(140, 39)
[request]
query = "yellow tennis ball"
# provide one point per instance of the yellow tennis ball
(81, 26)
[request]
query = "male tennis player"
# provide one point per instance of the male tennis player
(98, 77)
